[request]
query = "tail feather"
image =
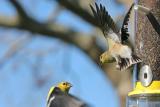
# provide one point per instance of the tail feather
(136, 59)
(125, 63)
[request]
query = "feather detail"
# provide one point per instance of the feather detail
(124, 29)
(124, 63)
(105, 21)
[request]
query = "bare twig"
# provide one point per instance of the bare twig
(14, 48)
(78, 10)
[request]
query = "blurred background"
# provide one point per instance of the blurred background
(43, 42)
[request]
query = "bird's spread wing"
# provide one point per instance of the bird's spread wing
(58, 98)
(124, 29)
(105, 21)
(64, 100)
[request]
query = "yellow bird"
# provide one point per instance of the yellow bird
(117, 39)
(58, 96)
(106, 57)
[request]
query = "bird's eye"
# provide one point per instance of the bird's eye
(64, 83)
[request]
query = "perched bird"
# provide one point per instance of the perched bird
(59, 96)
(117, 40)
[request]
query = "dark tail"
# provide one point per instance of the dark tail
(125, 63)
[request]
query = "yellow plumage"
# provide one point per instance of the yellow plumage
(63, 86)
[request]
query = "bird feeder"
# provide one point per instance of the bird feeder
(144, 96)
(146, 92)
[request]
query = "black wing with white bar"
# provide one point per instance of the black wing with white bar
(124, 29)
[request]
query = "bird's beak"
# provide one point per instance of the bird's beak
(70, 85)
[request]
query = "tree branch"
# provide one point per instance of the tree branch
(78, 10)
(25, 22)
(20, 10)
(86, 42)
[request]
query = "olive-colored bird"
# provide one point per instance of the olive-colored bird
(59, 96)
(117, 40)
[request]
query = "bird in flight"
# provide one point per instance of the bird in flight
(117, 40)
(58, 96)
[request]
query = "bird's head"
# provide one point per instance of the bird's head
(64, 86)
(106, 58)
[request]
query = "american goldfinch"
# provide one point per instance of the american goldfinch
(59, 96)
(118, 49)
